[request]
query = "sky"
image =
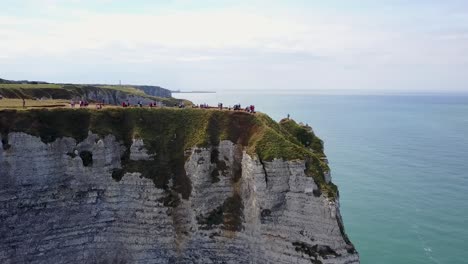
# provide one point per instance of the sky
(394, 45)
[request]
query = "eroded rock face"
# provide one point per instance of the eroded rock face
(54, 209)
(114, 97)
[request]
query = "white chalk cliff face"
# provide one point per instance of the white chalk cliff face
(60, 204)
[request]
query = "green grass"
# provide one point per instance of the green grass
(169, 132)
(303, 134)
(18, 103)
(124, 88)
(30, 86)
(33, 93)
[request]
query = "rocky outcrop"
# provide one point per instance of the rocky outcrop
(111, 96)
(108, 96)
(59, 203)
(154, 90)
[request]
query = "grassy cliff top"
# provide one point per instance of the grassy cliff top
(69, 91)
(47, 86)
(172, 130)
(131, 89)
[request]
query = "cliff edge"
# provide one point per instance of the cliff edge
(165, 186)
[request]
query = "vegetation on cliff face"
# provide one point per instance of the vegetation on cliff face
(304, 135)
(169, 133)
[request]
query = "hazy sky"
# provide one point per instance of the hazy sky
(222, 44)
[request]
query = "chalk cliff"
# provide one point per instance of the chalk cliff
(165, 186)
(109, 94)
(154, 90)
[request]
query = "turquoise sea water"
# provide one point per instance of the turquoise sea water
(400, 162)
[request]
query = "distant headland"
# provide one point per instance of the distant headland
(179, 91)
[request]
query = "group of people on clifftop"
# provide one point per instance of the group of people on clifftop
(81, 103)
(248, 109)
(236, 107)
(125, 104)
(140, 104)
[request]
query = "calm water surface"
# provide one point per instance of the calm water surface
(401, 164)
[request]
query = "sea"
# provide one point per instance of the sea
(400, 163)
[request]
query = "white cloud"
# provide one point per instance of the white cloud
(208, 30)
(330, 50)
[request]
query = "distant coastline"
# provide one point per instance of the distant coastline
(178, 91)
